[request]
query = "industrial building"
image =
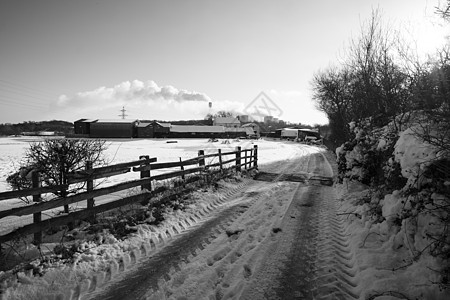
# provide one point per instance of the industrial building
(152, 130)
(83, 126)
(301, 134)
(227, 122)
(121, 128)
(255, 129)
(193, 131)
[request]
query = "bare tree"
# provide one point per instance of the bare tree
(371, 84)
(444, 10)
(380, 85)
(332, 96)
(55, 159)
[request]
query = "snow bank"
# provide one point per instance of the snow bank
(391, 224)
(105, 257)
(413, 155)
(387, 253)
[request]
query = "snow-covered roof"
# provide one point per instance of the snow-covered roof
(289, 129)
(249, 131)
(250, 125)
(121, 121)
(143, 124)
(86, 120)
(163, 124)
(196, 128)
(308, 130)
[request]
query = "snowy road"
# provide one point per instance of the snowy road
(275, 237)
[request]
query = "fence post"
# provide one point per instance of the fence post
(238, 158)
(245, 158)
(201, 161)
(182, 169)
(255, 156)
(89, 185)
(90, 188)
(37, 217)
(220, 159)
(145, 174)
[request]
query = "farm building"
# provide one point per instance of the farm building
(196, 131)
(113, 128)
(144, 130)
(83, 126)
(289, 133)
(161, 130)
(121, 128)
(152, 130)
(256, 131)
(238, 132)
(227, 122)
(301, 134)
(308, 134)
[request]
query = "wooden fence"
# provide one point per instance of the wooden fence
(241, 158)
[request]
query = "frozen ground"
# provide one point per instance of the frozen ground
(13, 150)
(270, 238)
(124, 150)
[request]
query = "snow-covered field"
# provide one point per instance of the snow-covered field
(382, 260)
(13, 150)
(125, 150)
(67, 282)
(120, 151)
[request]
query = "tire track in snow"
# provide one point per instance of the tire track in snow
(196, 230)
(226, 260)
(311, 259)
(159, 251)
(92, 288)
(213, 271)
(335, 271)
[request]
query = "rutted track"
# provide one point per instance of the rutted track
(311, 259)
(278, 238)
(164, 255)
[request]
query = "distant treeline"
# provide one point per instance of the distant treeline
(61, 127)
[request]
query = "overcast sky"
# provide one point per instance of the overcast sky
(66, 60)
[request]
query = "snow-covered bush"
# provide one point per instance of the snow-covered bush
(408, 189)
(368, 157)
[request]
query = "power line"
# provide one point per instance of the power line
(21, 86)
(22, 94)
(24, 101)
(11, 103)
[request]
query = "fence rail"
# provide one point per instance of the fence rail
(244, 158)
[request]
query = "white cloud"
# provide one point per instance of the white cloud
(142, 100)
(135, 90)
(148, 101)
